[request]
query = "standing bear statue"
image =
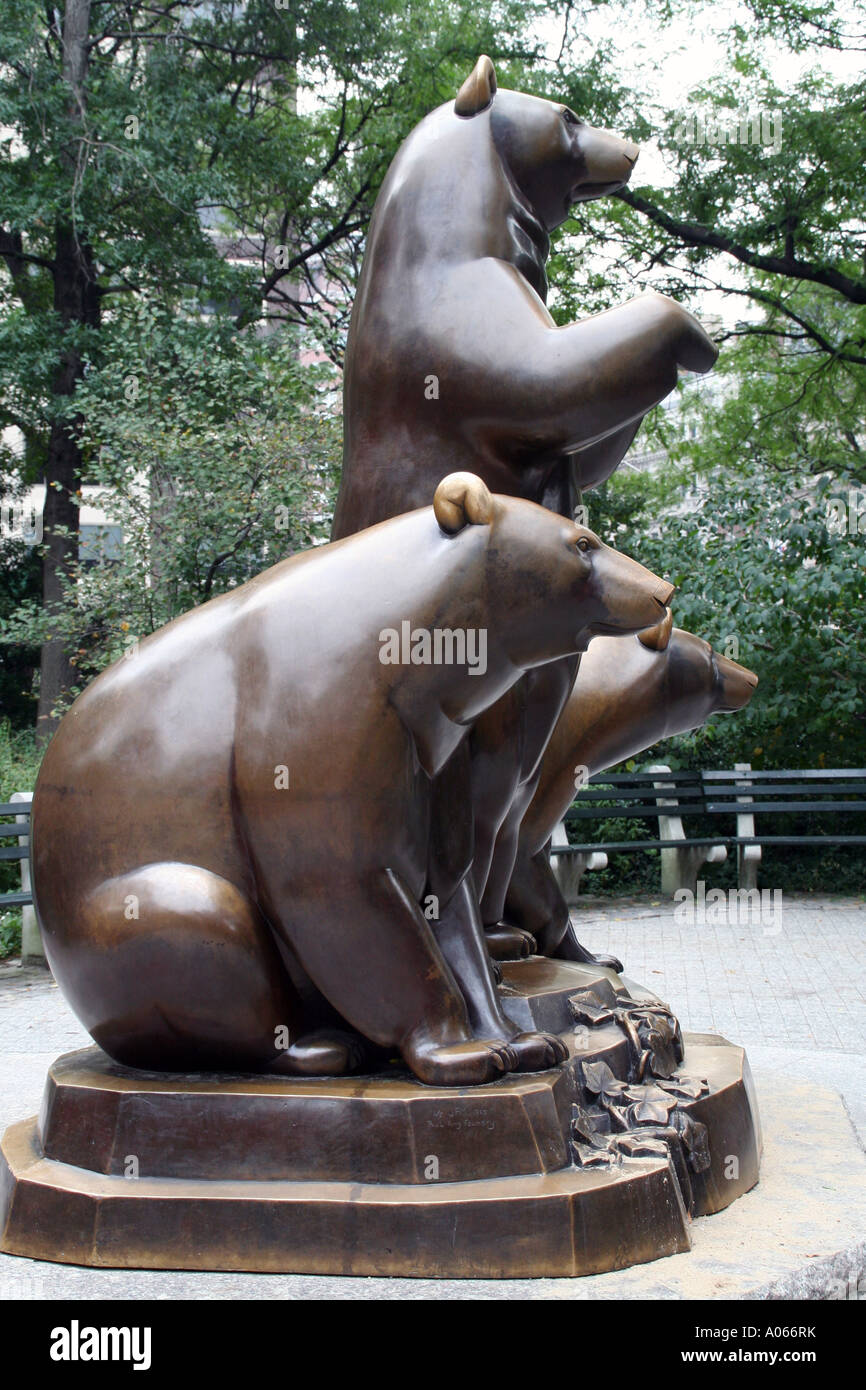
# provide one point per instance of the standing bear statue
(452, 354)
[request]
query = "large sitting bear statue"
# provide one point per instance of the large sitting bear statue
(628, 695)
(231, 831)
(453, 355)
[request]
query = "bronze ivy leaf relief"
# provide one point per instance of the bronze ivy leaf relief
(695, 1139)
(649, 1112)
(584, 1012)
(649, 1092)
(688, 1086)
(638, 1146)
(600, 1080)
(592, 1127)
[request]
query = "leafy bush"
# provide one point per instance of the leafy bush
(10, 934)
(19, 760)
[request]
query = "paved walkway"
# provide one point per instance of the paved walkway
(791, 990)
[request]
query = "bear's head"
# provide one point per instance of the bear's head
(555, 158)
(698, 680)
(550, 585)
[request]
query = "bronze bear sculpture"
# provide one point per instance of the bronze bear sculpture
(451, 351)
(232, 831)
(453, 354)
(628, 695)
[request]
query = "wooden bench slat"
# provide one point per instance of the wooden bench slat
(620, 845)
(801, 789)
(648, 797)
(15, 900)
(617, 779)
(789, 774)
(713, 840)
(795, 839)
(625, 812)
(729, 840)
(782, 808)
(15, 852)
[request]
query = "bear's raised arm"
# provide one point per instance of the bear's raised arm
(533, 388)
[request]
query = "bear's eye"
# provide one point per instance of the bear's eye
(583, 544)
(570, 118)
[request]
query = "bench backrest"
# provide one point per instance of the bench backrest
(625, 794)
(772, 793)
(18, 830)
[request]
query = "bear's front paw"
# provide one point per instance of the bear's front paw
(461, 1064)
(696, 351)
(327, 1052)
(539, 1051)
(505, 942)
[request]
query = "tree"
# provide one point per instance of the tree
(156, 149)
(763, 196)
(211, 458)
(760, 521)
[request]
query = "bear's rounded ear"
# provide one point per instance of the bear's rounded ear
(478, 90)
(461, 499)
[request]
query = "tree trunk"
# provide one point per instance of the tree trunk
(76, 300)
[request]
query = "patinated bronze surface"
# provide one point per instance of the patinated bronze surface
(628, 695)
(452, 354)
(260, 845)
(234, 832)
(384, 1175)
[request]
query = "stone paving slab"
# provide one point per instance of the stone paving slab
(793, 997)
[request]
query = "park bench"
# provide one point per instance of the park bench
(18, 830)
(737, 797)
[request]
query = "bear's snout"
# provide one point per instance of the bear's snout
(632, 597)
(607, 161)
(664, 592)
(737, 683)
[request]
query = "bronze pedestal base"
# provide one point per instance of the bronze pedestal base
(382, 1175)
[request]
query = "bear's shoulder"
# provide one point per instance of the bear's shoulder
(451, 167)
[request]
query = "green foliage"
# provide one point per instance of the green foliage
(750, 210)
(19, 764)
(10, 934)
(183, 160)
(20, 583)
(626, 872)
(202, 137)
(752, 520)
(19, 760)
(214, 451)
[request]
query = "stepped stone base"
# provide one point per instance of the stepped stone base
(578, 1170)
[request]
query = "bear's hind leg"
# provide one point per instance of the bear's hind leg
(172, 968)
(461, 939)
(385, 973)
